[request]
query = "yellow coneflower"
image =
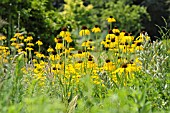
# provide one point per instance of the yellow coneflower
(13, 39)
(64, 33)
(95, 77)
(13, 44)
(17, 46)
(68, 39)
(50, 50)
(131, 36)
(26, 40)
(91, 48)
(113, 44)
(107, 45)
(30, 44)
(78, 65)
(29, 38)
(21, 37)
(110, 35)
(103, 42)
(84, 31)
(19, 50)
(111, 19)
(54, 57)
(29, 49)
(40, 55)
(17, 34)
(122, 33)
(138, 46)
(109, 66)
(2, 38)
(124, 38)
(79, 54)
(143, 36)
(116, 30)
(34, 60)
(96, 29)
(71, 48)
(39, 43)
(85, 44)
(59, 46)
(96, 82)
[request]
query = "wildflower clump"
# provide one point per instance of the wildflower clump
(119, 48)
(106, 63)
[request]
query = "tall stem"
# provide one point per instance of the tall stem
(18, 20)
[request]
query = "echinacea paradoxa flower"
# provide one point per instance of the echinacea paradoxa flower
(84, 31)
(111, 19)
(96, 29)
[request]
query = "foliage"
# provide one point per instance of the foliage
(77, 14)
(124, 11)
(45, 21)
(32, 16)
(2, 22)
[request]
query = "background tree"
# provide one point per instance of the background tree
(156, 9)
(45, 18)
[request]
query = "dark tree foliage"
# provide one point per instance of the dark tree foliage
(156, 9)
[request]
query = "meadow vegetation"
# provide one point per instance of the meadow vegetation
(121, 73)
(57, 61)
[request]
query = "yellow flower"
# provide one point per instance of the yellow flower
(91, 48)
(59, 46)
(103, 42)
(84, 31)
(2, 37)
(17, 34)
(116, 30)
(95, 77)
(68, 39)
(79, 54)
(139, 48)
(17, 46)
(26, 40)
(3, 48)
(71, 48)
(21, 37)
(30, 44)
(13, 39)
(90, 6)
(109, 66)
(64, 32)
(40, 55)
(86, 44)
(55, 40)
(50, 50)
(111, 19)
(110, 35)
(39, 43)
(51, 57)
(122, 33)
(143, 37)
(34, 60)
(29, 38)
(96, 29)
(13, 44)
(96, 82)
(29, 49)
